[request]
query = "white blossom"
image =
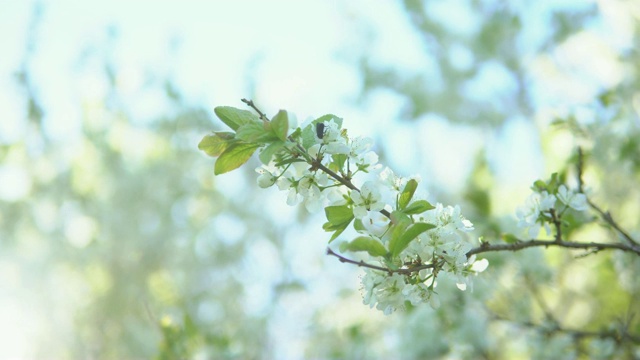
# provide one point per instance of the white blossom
(536, 205)
(375, 223)
(572, 199)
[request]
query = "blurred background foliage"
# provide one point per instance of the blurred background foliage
(116, 240)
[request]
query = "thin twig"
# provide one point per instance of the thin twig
(403, 271)
(254, 107)
(605, 215)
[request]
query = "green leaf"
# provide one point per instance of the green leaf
(309, 136)
(399, 243)
(339, 218)
(280, 125)
(418, 207)
(216, 143)
(407, 193)
(267, 153)
(540, 185)
(234, 118)
(398, 228)
(338, 228)
(233, 157)
(552, 184)
(255, 132)
(339, 160)
(400, 218)
(510, 238)
(338, 214)
(365, 243)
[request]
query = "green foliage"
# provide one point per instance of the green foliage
(256, 133)
(339, 218)
(179, 342)
(407, 193)
(402, 236)
(216, 144)
(235, 118)
(268, 152)
(234, 156)
(364, 243)
(418, 207)
(235, 149)
(280, 125)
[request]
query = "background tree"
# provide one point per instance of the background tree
(116, 240)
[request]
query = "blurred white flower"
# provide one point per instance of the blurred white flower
(572, 199)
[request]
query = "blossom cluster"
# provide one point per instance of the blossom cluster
(413, 240)
(544, 203)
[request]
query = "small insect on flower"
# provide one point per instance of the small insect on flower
(320, 130)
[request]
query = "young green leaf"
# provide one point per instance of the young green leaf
(267, 153)
(398, 243)
(400, 218)
(540, 185)
(407, 193)
(215, 144)
(255, 132)
(234, 118)
(338, 161)
(338, 214)
(234, 156)
(338, 228)
(280, 125)
(364, 243)
(418, 207)
(339, 218)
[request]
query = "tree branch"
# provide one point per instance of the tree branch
(486, 247)
(361, 263)
(619, 336)
(606, 216)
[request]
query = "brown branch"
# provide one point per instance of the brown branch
(405, 271)
(605, 215)
(555, 218)
(486, 247)
(617, 336)
(254, 107)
